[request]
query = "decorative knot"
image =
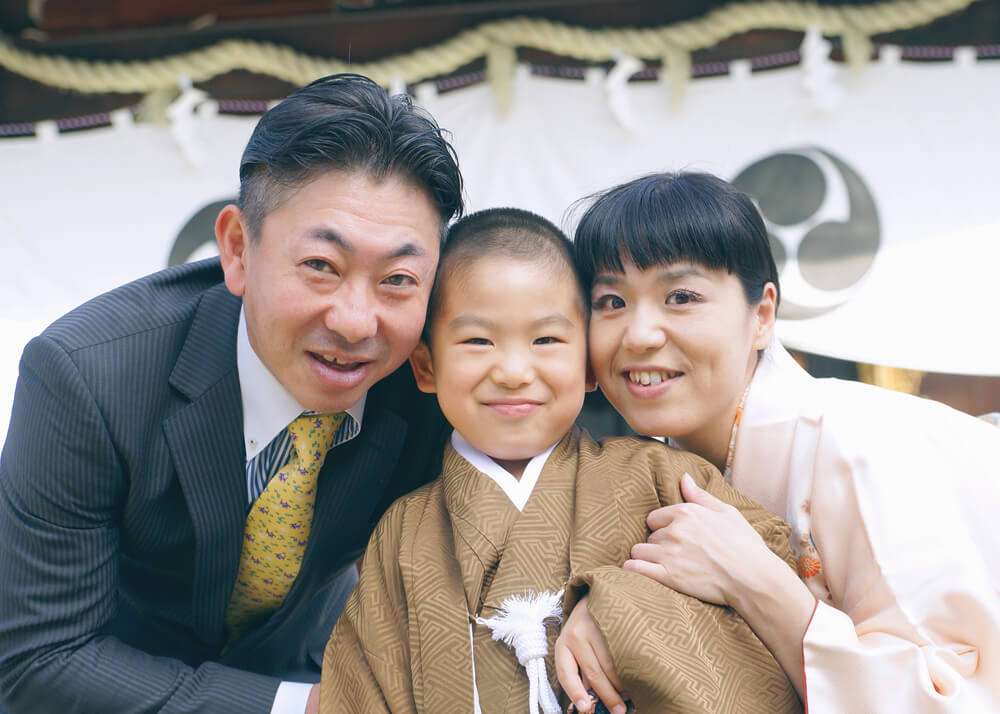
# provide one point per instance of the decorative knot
(520, 624)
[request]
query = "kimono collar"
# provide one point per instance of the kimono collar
(781, 396)
(517, 490)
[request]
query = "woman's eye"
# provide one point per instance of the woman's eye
(547, 341)
(681, 297)
(399, 280)
(608, 302)
(320, 265)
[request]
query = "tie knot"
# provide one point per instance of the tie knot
(312, 434)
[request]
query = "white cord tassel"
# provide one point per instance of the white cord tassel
(521, 624)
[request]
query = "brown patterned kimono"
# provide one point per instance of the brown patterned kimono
(458, 547)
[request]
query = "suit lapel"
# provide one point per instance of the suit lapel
(352, 481)
(205, 439)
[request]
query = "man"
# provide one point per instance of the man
(195, 460)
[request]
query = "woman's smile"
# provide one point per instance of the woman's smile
(649, 383)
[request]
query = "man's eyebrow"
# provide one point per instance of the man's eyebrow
(471, 320)
(331, 236)
(407, 250)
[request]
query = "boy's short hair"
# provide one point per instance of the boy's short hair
(506, 232)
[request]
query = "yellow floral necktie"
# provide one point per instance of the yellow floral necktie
(277, 527)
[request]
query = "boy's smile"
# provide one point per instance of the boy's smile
(508, 356)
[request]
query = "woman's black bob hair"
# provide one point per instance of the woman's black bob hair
(675, 217)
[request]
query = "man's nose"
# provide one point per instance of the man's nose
(352, 313)
(513, 370)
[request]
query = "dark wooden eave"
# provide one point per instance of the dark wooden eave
(124, 29)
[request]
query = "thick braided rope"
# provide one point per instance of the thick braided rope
(856, 23)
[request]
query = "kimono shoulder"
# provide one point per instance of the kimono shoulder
(641, 474)
(642, 460)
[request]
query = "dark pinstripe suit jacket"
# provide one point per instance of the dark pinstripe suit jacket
(123, 498)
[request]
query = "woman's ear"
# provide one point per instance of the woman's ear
(591, 379)
(765, 313)
(423, 368)
(234, 247)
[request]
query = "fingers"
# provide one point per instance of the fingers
(599, 681)
(653, 571)
(649, 552)
(569, 677)
(693, 493)
(663, 516)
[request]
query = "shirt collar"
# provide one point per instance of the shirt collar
(267, 406)
(517, 490)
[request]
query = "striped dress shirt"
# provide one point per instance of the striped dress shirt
(268, 409)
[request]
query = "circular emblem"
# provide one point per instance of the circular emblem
(196, 240)
(822, 223)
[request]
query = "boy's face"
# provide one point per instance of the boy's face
(508, 356)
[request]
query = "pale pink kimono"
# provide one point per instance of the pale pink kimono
(894, 502)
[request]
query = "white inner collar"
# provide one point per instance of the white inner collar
(267, 406)
(517, 490)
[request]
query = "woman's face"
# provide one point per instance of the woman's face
(674, 346)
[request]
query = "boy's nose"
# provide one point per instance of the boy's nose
(513, 373)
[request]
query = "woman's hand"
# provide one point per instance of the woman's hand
(583, 662)
(703, 548)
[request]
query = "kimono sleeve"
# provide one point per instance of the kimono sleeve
(676, 653)
(903, 519)
(366, 665)
(672, 651)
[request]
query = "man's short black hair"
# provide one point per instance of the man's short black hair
(671, 217)
(349, 123)
(506, 232)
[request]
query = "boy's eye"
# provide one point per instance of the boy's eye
(476, 341)
(608, 302)
(682, 297)
(400, 280)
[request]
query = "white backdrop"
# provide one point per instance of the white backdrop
(84, 212)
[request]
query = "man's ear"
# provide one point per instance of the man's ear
(234, 246)
(423, 369)
(765, 313)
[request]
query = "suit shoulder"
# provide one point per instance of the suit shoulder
(149, 303)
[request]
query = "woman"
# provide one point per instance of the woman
(892, 499)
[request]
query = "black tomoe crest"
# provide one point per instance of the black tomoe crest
(822, 223)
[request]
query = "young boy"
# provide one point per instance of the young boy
(526, 507)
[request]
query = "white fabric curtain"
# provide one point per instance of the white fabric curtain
(908, 281)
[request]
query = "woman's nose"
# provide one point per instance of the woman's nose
(643, 335)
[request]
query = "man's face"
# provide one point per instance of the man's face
(335, 287)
